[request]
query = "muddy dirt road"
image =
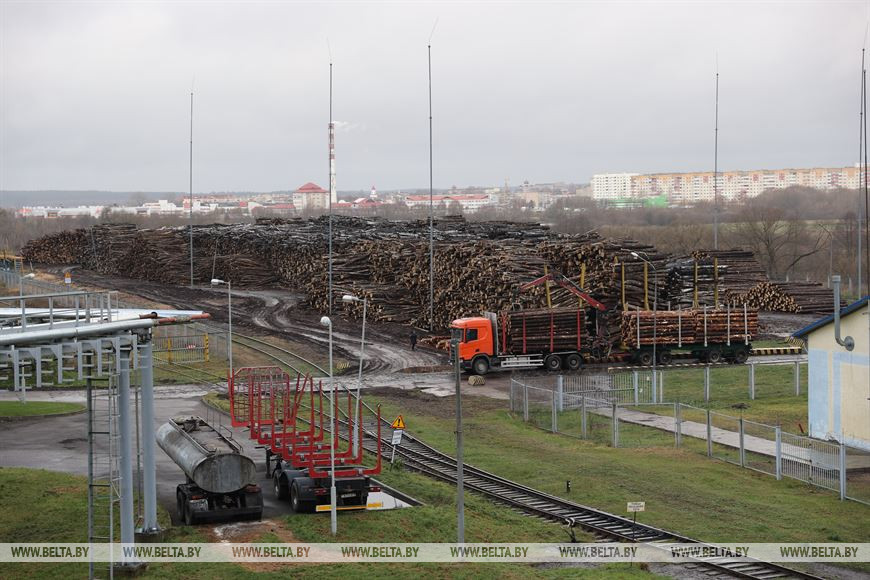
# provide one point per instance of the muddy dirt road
(280, 313)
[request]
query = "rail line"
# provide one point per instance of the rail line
(421, 457)
(241, 339)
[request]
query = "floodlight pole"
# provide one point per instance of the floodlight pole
(325, 321)
(460, 484)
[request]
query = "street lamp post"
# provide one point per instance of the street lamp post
(325, 321)
(460, 483)
(655, 309)
(362, 346)
(216, 282)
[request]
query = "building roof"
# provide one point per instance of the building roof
(857, 305)
(311, 188)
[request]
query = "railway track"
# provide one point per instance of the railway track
(421, 457)
(268, 349)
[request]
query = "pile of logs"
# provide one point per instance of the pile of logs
(543, 330)
(693, 282)
(672, 327)
(798, 297)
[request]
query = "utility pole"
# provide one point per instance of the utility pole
(460, 484)
(431, 209)
(190, 172)
(332, 192)
(716, 167)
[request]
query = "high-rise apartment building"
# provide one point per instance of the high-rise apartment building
(689, 188)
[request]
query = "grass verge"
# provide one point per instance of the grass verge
(31, 408)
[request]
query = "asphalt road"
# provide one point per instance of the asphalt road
(60, 443)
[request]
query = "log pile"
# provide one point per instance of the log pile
(797, 297)
(693, 282)
(739, 269)
(543, 330)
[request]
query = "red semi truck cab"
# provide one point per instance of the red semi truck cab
(476, 337)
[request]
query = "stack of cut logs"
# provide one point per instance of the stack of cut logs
(694, 282)
(543, 330)
(688, 326)
(798, 297)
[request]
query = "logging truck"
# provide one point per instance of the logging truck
(563, 338)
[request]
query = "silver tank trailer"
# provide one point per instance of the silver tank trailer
(209, 459)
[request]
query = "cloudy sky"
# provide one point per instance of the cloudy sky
(95, 95)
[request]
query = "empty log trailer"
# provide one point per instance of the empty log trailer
(291, 419)
(220, 478)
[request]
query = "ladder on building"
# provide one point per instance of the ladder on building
(104, 480)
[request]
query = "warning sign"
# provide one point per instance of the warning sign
(399, 423)
(67, 278)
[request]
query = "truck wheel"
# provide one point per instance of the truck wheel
(179, 497)
(741, 355)
(553, 362)
(280, 487)
(665, 357)
(573, 362)
(645, 358)
(714, 356)
(188, 514)
(296, 504)
(480, 365)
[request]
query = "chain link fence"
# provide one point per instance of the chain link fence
(602, 416)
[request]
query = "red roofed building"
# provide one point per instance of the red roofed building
(311, 197)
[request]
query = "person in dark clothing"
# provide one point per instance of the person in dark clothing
(413, 340)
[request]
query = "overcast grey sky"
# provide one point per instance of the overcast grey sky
(95, 95)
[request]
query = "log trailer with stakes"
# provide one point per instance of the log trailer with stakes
(559, 338)
(221, 480)
(273, 407)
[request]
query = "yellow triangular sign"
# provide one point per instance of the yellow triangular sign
(399, 423)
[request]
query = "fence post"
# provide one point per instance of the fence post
(678, 420)
(614, 422)
(555, 416)
(752, 381)
(560, 389)
(709, 434)
(742, 446)
(778, 452)
(583, 416)
(797, 378)
(525, 403)
(707, 384)
(634, 384)
(842, 471)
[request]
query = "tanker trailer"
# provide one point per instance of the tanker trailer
(220, 478)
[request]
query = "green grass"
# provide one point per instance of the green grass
(62, 515)
(685, 492)
(30, 408)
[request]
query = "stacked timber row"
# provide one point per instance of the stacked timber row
(739, 269)
(693, 282)
(543, 330)
(798, 297)
(688, 326)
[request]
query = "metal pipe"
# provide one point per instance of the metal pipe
(848, 343)
(126, 450)
(149, 491)
(325, 321)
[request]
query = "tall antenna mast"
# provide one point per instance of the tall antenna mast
(431, 205)
(716, 166)
(332, 196)
(866, 195)
(190, 171)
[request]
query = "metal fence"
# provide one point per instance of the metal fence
(601, 417)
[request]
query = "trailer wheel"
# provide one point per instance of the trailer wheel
(280, 487)
(573, 362)
(645, 358)
(741, 355)
(297, 505)
(480, 365)
(553, 362)
(665, 357)
(714, 356)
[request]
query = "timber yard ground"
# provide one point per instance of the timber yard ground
(684, 491)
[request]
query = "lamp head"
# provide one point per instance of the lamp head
(31, 275)
(350, 298)
(325, 321)
(635, 254)
(216, 281)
